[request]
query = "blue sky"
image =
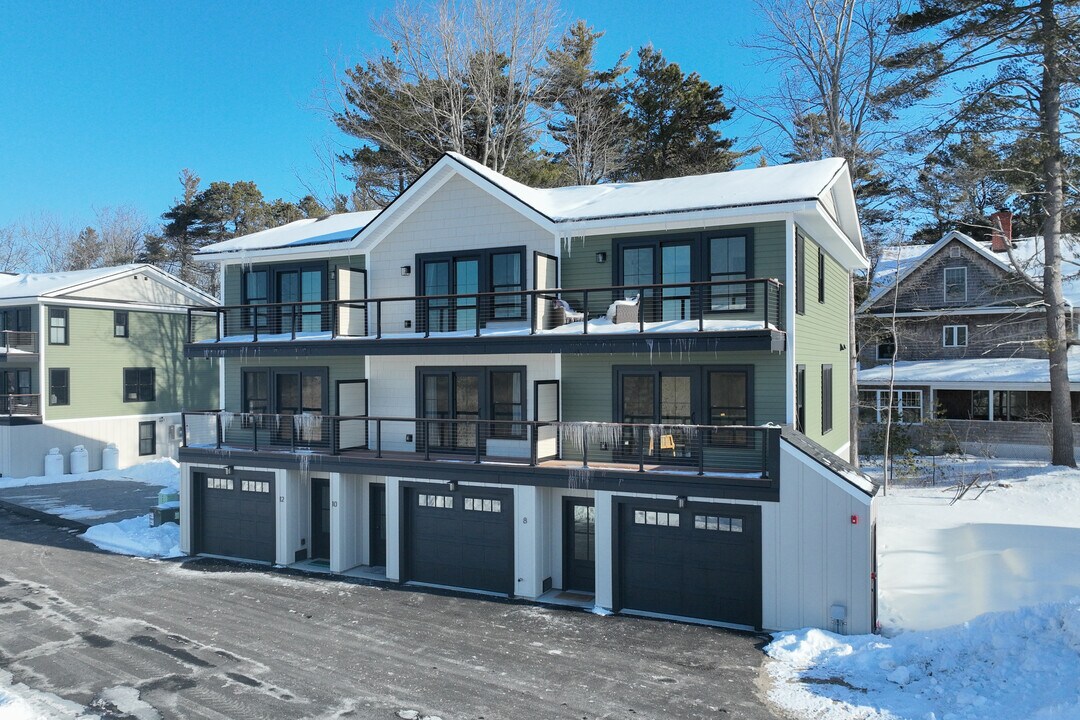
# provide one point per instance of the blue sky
(102, 103)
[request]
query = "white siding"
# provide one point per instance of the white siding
(139, 288)
(458, 216)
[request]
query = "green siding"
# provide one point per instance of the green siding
(96, 361)
(588, 380)
(338, 368)
(232, 294)
(818, 336)
(579, 268)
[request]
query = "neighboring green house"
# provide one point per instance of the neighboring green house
(629, 395)
(96, 356)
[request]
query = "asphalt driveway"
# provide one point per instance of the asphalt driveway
(130, 638)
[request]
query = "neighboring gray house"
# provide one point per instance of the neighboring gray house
(958, 328)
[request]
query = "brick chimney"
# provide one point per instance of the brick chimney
(1001, 235)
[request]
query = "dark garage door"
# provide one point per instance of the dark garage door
(702, 561)
(235, 515)
(461, 539)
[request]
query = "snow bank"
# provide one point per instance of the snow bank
(1018, 544)
(19, 702)
(162, 471)
(1018, 664)
(134, 536)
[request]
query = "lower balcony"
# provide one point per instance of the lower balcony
(20, 409)
(705, 460)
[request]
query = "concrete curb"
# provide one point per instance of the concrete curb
(44, 517)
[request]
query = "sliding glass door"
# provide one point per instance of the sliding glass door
(450, 395)
(659, 262)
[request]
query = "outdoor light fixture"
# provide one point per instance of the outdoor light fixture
(452, 485)
(601, 257)
(406, 270)
(681, 500)
(228, 469)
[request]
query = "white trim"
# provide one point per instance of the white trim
(116, 305)
(955, 336)
(986, 310)
(42, 315)
(114, 417)
(789, 312)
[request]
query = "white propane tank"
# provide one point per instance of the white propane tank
(54, 463)
(110, 457)
(80, 460)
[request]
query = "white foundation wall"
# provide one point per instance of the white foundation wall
(293, 514)
(552, 561)
(392, 391)
(350, 520)
(457, 216)
(23, 447)
(814, 556)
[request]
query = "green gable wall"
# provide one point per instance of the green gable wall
(817, 337)
(96, 362)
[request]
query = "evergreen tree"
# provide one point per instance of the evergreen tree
(674, 122)
(586, 104)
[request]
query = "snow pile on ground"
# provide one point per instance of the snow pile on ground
(1018, 664)
(134, 536)
(19, 702)
(1015, 544)
(162, 471)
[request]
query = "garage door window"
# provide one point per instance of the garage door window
(718, 523)
(214, 483)
(436, 501)
(651, 517)
(483, 505)
(259, 486)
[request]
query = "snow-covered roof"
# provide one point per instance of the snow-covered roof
(821, 188)
(309, 231)
(899, 261)
(970, 372)
(42, 285)
(736, 188)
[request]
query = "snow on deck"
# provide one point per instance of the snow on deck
(601, 326)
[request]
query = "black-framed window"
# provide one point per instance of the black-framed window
(120, 323)
(729, 259)
(256, 291)
(255, 394)
(886, 348)
(800, 398)
(826, 399)
(59, 387)
(469, 272)
(139, 385)
(820, 276)
(507, 403)
(15, 382)
(58, 326)
(15, 319)
(148, 438)
(955, 289)
(800, 274)
(470, 393)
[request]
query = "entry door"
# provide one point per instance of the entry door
(579, 545)
(300, 393)
(451, 395)
(320, 519)
(377, 525)
(659, 397)
(451, 276)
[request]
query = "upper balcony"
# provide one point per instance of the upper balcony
(16, 345)
(700, 316)
(20, 409)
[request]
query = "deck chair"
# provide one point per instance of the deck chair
(667, 442)
(570, 315)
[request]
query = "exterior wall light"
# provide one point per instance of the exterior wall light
(406, 270)
(601, 257)
(452, 486)
(681, 500)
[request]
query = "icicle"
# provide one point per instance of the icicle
(597, 435)
(308, 426)
(579, 478)
(226, 420)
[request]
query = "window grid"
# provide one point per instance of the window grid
(954, 336)
(214, 483)
(120, 323)
(955, 284)
(58, 326)
(436, 501)
(257, 486)
(147, 438)
(139, 385)
(718, 523)
(483, 505)
(59, 386)
(656, 517)
(906, 406)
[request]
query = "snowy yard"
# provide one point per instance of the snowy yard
(979, 606)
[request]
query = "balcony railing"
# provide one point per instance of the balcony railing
(694, 307)
(19, 405)
(748, 451)
(14, 342)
